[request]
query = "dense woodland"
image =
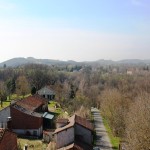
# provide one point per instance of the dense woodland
(123, 99)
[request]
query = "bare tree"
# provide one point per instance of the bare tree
(3, 94)
(83, 112)
(22, 86)
(138, 124)
(113, 108)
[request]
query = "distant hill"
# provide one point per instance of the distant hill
(14, 62)
(124, 61)
(134, 61)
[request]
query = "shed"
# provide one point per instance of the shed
(48, 120)
(47, 93)
(77, 133)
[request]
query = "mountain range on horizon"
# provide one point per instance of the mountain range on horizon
(19, 61)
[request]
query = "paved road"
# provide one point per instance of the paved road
(102, 139)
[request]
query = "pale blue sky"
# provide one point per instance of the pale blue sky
(75, 29)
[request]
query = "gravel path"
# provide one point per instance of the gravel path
(102, 139)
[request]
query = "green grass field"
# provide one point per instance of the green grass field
(58, 110)
(33, 144)
(5, 104)
(15, 96)
(52, 105)
(12, 97)
(114, 140)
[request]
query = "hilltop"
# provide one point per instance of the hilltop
(19, 61)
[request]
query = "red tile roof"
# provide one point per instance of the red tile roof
(78, 146)
(2, 131)
(61, 120)
(83, 122)
(71, 146)
(32, 102)
(76, 119)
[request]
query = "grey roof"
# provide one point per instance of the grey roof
(48, 115)
(45, 90)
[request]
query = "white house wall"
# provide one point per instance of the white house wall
(4, 114)
(23, 131)
(85, 133)
(64, 137)
(3, 125)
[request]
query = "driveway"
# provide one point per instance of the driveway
(102, 139)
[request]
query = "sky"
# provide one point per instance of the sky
(75, 29)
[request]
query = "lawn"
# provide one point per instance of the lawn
(5, 104)
(52, 104)
(33, 144)
(13, 97)
(58, 110)
(114, 140)
(52, 107)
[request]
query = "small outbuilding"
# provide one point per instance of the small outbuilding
(76, 134)
(47, 93)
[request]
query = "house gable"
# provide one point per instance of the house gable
(22, 120)
(82, 135)
(65, 137)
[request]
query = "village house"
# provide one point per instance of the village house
(30, 116)
(129, 72)
(47, 93)
(76, 134)
(8, 140)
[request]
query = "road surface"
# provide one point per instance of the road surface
(102, 139)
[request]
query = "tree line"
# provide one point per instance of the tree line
(123, 99)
